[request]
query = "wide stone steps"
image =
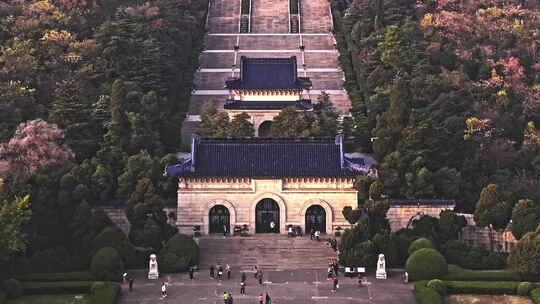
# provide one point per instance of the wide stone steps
(267, 251)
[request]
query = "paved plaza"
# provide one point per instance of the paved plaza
(285, 287)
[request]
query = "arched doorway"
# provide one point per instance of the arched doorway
(316, 219)
(266, 212)
(265, 129)
(219, 218)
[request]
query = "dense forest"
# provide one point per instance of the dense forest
(92, 97)
(448, 92)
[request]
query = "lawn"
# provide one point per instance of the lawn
(51, 299)
(486, 299)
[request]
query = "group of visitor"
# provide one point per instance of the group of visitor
(293, 231)
(332, 243)
(315, 234)
(219, 269)
(128, 279)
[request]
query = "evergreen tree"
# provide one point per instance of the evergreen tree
(240, 126)
(525, 217)
(213, 123)
(491, 210)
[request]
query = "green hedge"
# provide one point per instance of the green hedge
(57, 276)
(3, 297)
(62, 287)
(13, 288)
(481, 287)
(535, 295)
(483, 275)
(245, 7)
(426, 264)
(105, 293)
(107, 265)
(179, 253)
(419, 244)
(426, 295)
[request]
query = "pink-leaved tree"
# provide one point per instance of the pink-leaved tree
(34, 145)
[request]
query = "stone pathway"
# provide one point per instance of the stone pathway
(285, 287)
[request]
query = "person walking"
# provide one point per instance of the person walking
(268, 300)
(243, 288)
(220, 273)
(272, 226)
(329, 273)
(224, 230)
(191, 272)
(230, 298)
(312, 234)
(211, 271)
(225, 298)
(228, 270)
(131, 284)
(317, 235)
(256, 271)
(243, 279)
(260, 276)
(261, 299)
(335, 285)
(163, 290)
(336, 267)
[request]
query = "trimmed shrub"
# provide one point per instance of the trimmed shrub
(426, 264)
(115, 238)
(419, 244)
(455, 252)
(51, 260)
(438, 285)
(481, 287)
(396, 252)
(12, 288)
(535, 295)
(62, 287)
(524, 288)
(179, 253)
(426, 295)
(105, 293)
(57, 276)
(483, 275)
(107, 264)
(525, 256)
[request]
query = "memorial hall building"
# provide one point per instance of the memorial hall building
(254, 181)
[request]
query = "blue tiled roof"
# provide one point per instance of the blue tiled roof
(268, 73)
(304, 104)
(268, 157)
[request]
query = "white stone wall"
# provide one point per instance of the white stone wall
(196, 196)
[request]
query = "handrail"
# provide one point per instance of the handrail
(249, 17)
(207, 15)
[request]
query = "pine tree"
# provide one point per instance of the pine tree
(491, 210)
(240, 126)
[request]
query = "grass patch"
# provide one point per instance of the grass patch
(51, 299)
(486, 299)
(481, 287)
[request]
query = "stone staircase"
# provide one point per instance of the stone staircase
(269, 252)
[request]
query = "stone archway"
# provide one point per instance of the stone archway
(206, 213)
(265, 128)
(282, 210)
(315, 219)
(267, 216)
(219, 219)
(327, 210)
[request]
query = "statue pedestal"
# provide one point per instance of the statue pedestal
(381, 268)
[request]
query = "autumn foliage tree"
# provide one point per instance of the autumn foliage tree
(35, 145)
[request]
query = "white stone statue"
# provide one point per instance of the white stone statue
(381, 268)
(153, 273)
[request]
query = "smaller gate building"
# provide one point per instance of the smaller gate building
(266, 184)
